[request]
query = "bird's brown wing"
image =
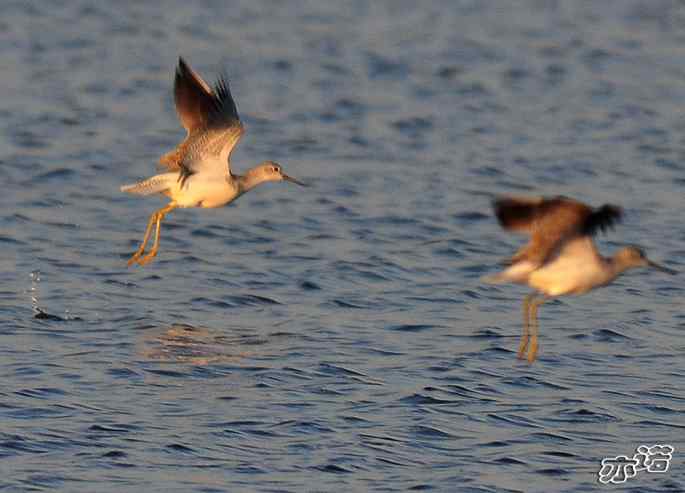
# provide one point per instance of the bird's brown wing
(210, 117)
(550, 222)
(193, 97)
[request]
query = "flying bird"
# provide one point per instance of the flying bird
(199, 168)
(561, 257)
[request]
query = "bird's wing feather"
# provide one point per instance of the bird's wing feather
(172, 159)
(209, 151)
(550, 222)
(579, 249)
(194, 99)
(211, 119)
(517, 213)
(602, 219)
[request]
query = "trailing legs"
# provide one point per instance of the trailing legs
(155, 219)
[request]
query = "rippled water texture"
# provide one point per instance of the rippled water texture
(308, 339)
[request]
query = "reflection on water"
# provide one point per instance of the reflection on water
(182, 343)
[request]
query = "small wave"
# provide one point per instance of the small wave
(411, 327)
(424, 431)
(421, 399)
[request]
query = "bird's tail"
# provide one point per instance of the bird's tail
(156, 184)
(517, 273)
(494, 278)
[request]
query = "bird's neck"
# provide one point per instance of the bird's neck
(247, 181)
(616, 267)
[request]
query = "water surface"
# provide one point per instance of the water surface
(306, 339)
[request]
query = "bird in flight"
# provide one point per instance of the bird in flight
(199, 168)
(561, 257)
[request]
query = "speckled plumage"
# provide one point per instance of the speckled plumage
(199, 169)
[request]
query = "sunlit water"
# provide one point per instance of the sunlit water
(308, 339)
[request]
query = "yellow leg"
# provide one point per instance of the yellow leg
(526, 324)
(155, 245)
(143, 244)
(533, 350)
(155, 218)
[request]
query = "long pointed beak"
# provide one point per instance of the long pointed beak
(662, 268)
(293, 180)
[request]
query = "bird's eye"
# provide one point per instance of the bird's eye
(274, 169)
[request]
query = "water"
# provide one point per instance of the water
(304, 339)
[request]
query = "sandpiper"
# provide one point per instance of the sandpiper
(199, 168)
(561, 257)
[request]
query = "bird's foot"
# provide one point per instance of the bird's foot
(148, 258)
(135, 257)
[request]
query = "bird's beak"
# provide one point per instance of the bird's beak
(293, 180)
(661, 268)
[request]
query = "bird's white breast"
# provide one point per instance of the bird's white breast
(206, 191)
(568, 275)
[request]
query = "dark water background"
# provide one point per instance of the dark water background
(304, 339)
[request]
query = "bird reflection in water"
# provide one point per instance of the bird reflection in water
(183, 343)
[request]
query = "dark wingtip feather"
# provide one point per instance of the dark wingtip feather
(182, 68)
(224, 104)
(184, 81)
(602, 219)
(200, 105)
(513, 213)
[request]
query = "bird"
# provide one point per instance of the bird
(199, 169)
(561, 257)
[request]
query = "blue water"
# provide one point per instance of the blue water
(308, 339)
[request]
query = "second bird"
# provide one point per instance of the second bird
(561, 258)
(199, 168)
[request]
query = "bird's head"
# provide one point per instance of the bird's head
(272, 171)
(632, 256)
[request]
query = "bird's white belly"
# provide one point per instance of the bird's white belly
(566, 275)
(204, 191)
